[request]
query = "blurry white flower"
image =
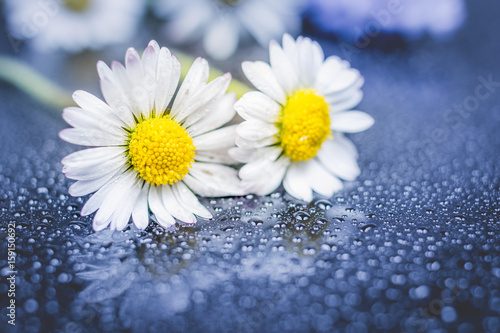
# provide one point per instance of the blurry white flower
(73, 25)
(353, 18)
(222, 23)
(151, 151)
(293, 128)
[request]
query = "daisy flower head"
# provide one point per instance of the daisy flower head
(151, 151)
(221, 24)
(293, 128)
(73, 25)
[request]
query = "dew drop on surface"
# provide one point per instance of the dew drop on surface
(255, 222)
(300, 226)
(323, 204)
(368, 227)
(301, 216)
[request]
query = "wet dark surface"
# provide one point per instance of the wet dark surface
(412, 245)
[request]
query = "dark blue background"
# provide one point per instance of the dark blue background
(412, 245)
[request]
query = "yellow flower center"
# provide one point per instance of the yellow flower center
(77, 5)
(304, 124)
(160, 150)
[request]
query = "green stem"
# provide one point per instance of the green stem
(33, 83)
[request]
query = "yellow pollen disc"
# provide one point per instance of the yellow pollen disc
(304, 124)
(160, 150)
(77, 5)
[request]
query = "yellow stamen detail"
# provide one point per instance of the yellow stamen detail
(77, 5)
(160, 150)
(304, 124)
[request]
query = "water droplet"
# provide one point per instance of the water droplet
(301, 216)
(255, 222)
(323, 204)
(368, 227)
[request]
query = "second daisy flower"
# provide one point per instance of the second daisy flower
(294, 125)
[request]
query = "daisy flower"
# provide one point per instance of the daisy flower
(151, 151)
(73, 25)
(221, 23)
(294, 125)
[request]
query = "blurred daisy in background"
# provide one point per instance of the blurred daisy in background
(73, 25)
(221, 24)
(411, 19)
(151, 151)
(294, 125)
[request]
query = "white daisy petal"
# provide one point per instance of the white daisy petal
(262, 77)
(174, 207)
(269, 184)
(188, 200)
(348, 144)
(343, 95)
(222, 37)
(203, 189)
(256, 130)
(320, 180)
(127, 87)
(97, 198)
(121, 217)
(187, 23)
(91, 154)
(94, 169)
(221, 138)
(253, 170)
(255, 105)
(83, 119)
(253, 154)
(262, 21)
(290, 49)
(167, 77)
(117, 100)
(245, 143)
(222, 179)
(113, 200)
(195, 78)
(328, 71)
(86, 137)
(343, 80)
(158, 208)
(204, 100)
(140, 214)
(149, 63)
(338, 158)
(133, 64)
(346, 104)
(221, 112)
(351, 121)
(282, 68)
(215, 156)
(309, 62)
(84, 187)
(295, 184)
(90, 103)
